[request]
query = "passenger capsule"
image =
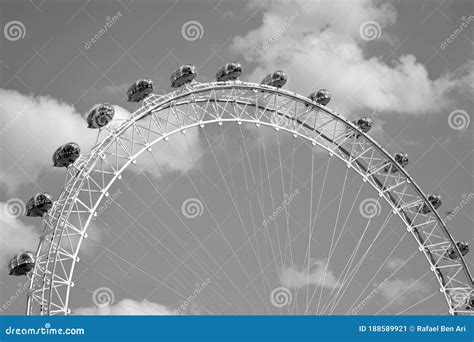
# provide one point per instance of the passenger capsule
(470, 303)
(401, 159)
(66, 155)
(39, 204)
(322, 97)
(276, 79)
(463, 248)
(139, 90)
(364, 124)
(100, 116)
(435, 200)
(229, 72)
(183, 75)
(21, 264)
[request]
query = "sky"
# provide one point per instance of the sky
(407, 64)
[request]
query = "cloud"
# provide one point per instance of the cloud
(395, 263)
(293, 278)
(33, 127)
(90, 246)
(117, 89)
(15, 236)
(309, 41)
(402, 291)
(128, 307)
(181, 153)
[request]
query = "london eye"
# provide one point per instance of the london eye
(253, 233)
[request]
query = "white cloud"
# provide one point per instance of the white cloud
(15, 236)
(32, 128)
(401, 291)
(293, 278)
(395, 263)
(128, 307)
(90, 245)
(181, 153)
(321, 47)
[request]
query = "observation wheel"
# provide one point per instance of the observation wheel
(233, 197)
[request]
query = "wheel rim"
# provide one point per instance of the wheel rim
(50, 287)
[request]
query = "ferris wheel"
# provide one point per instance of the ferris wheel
(264, 200)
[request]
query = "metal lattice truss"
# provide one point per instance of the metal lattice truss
(89, 179)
